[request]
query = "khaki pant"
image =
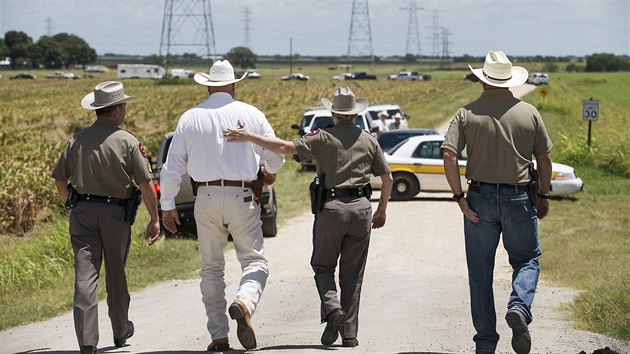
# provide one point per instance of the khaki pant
(97, 230)
(219, 211)
(341, 233)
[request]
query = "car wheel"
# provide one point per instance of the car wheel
(405, 186)
(269, 227)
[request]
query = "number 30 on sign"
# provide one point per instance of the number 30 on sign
(590, 110)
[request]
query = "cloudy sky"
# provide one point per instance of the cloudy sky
(322, 27)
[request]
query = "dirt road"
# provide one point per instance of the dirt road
(415, 299)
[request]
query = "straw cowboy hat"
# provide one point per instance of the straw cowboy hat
(345, 103)
(221, 74)
(498, 71)
(397, 115)
(108, 93)
(383, 114)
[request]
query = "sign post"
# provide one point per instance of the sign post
(590, 112)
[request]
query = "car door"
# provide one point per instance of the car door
(429, 167)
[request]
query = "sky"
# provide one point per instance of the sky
(322, 27)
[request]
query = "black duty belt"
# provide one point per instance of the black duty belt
(496, 185)
(345, 192)
(101, 199)
(225, 183)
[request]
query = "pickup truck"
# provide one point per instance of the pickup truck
(410, 76)
(361, 75)
(185, 200)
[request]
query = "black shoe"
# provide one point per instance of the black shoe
(521, 339)
(349, 342)
(334, 320)
(120, 342)
(88, 349)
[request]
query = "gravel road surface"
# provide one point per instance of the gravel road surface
(414, 300)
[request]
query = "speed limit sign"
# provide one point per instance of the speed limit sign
(590, 110)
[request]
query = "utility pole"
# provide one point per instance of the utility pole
(188, 24)
(246, 28)
(360, 37)
(290, 55)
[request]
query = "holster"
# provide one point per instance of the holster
(258, 186)
(532, 185)
(73, 197)
(132, 204)
(318, 193)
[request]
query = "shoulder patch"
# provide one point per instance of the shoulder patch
(314, 132)
(144, 153)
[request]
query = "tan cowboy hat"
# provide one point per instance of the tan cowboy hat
(108, 93)
(397, 115)
(498, 71)
(221, 74)
(345, 103)
(383, 114)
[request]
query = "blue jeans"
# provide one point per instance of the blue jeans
(506, 210)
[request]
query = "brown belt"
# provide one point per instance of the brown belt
(226, 183)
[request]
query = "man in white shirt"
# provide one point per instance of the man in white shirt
(225, 203)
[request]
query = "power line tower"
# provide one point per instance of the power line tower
(445, 43)
(413, 31)
(360, 38)
(187, 24)
(435, 34)
(49, 26)
(246, 28)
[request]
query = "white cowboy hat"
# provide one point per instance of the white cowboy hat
(345, 103)
(498, 71)
(108, 93)
(397, 115)
(221, 74)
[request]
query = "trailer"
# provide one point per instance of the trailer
(140, 71)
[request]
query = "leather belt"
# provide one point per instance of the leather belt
(226, 183)
(102, 199)
(345, 192)
(496, 185)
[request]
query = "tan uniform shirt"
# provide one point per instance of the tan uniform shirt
(346, 154)
(103, 159)
(500, 134)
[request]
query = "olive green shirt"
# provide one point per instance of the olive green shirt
(346, 154)
(103, 159)
(500, 134)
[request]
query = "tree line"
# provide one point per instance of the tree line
(60, 50)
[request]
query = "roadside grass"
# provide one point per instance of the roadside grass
(586, 238)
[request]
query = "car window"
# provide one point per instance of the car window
(358, 121)
(395, 147)
(428, 150)
(166, 147)
(306, 120)
(323, 122)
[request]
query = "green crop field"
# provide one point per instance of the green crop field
(585, 238)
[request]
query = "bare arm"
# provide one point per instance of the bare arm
(451, 170)
(378, 219)
(543, 164)
(150, 201)
(61, 188)
(274, 144)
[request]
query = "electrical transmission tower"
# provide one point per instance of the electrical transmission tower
(187, 24)
(435, 35)
(246, 28)
(445, 42)
(413, 32)
(49, 26)
(360, 38)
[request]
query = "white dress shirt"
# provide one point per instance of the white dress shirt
(199, 147)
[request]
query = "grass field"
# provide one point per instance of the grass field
(585, 239)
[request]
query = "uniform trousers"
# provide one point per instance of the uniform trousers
(341, 232)
(219, 211)
(97, 230)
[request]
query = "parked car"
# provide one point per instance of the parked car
(343, 76)
(389, 139)
(471, 77)
(182, 73)
(361, 75)
(295, 76)
(253, 74)
(62, 75)
(538, 79)
(319, 118)
(185, 200)
(417, 165)
(23, 76)
(409, 76)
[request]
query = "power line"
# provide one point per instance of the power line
(360, 37)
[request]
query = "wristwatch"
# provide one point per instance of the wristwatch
(544, 195)
(458, 197)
